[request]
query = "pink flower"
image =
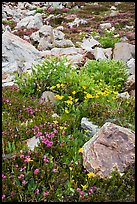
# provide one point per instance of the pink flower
(3, 176)
(23, 182)
(63, 133)
(37, 191)
(21, 169)
(36, 171)
(12, 193)
(90, 191)
(54, 170)
(20, 176)
(38, 134)
(3, 196)
(46, 159)
(45, 193)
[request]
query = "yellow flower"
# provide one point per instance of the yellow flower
(61, 127)
(70, 168)
(84, 186)
(84, 87)
(76, 99)
(66, 110)
(86, 130)
(69, 102)
(62, 85)
(80, 150)
(29, 159)
(74, 92)
(55, 122)
(90, 175)
(59, 97)
(58, 85)
(89, 95)
(53, 87)
(70, 98)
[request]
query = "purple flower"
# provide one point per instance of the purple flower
(36, 171)
(54, 170)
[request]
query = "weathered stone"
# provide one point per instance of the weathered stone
(16, 52)
(105, 25)
(89, 43)
(99, 53)
(58, 35)
(45, 44)
(48, 96)
(131, 66)
(123, 51)
(130, 83)
(123, 95)
(108, 52)
(111, 147)
(66, 51)
(88, 125)
(32, 142)
(63, 43)
(132, 93)
(77, 22)
(75, 59)
(31, 22)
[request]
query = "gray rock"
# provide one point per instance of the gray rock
(77, 22)
(58, 35)
(16, 52)
(48, 96)
(63, 43)
(30, 22)
(75, 59)
(105, 25)
(131, 66)
(112, 147)
(88, 125)
(123, 51)
(123, 95)
(99, 53)
(130, 83)
(66, 51)
(32, 142)
(89, 43)
(108, 52)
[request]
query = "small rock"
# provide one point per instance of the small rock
(99, 53)
(105, 25)
(131, 66)
(123, 95)
(88, 125)
(48, 96)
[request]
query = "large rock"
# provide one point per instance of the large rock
(30, 22)
(17, 55)
(112, 147)
(123, 51)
